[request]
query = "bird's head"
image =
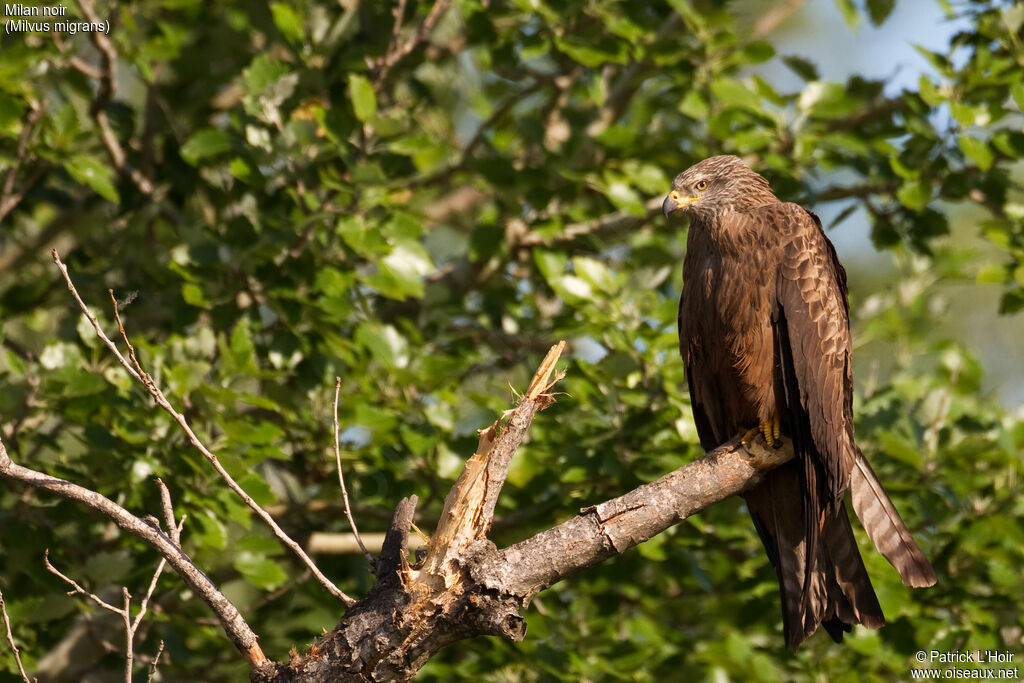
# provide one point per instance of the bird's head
(716, 185)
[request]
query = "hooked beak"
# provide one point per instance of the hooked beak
(675, 201)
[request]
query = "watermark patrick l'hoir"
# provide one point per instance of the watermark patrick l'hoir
(965, 664)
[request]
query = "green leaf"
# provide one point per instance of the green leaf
(288, 21)
(194, 296)
(591, 52)
(624, 197)
(977, 151)
(827, 100)
(205, 143)
(914, 194)
(694, 105)
(936, 59)
(262, 72)
(252, 433)
(385, 343)
(929, 92)
(757, 52)
(360, 92)
(551, 264)
(993, 273)
(1017, 92)
(211, 532)
(244, 171)
(259, 570)
(733, 93)
(804, 68)
(1012, 301)
(242, 351)
(365, 239)
(849, 12)
(258, 489)
(407, 264)
(595, 273)
(897, 446)
(11, 111)
(879, 10)
(968, 115)
(88, 171)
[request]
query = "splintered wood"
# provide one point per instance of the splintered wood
(469, 506)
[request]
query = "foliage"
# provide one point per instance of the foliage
(305, 192)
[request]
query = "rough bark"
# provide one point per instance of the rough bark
(405, 620)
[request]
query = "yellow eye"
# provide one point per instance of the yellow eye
(702, 185)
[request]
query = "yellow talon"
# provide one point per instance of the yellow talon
(770, 429)
(749, 436)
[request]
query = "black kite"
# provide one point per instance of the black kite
(764, 331)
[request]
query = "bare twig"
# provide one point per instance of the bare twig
(478, 135)
(613, 222)
(629, 81)
(134, 368)
(129, 636)
(396, 30)
(108, 86)
(123, 612)
(397, 51)
(76, 588)
(341, 476)
(771, 19)
(232, 623)
(10, 639)
(131, 626)
(9, 199)
(838, 192)
(156, 662)
(174, 530)
(165, 503)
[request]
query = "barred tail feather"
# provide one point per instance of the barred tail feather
(885, 527)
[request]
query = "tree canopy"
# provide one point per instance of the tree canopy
(420, 198)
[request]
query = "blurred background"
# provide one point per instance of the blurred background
(420, 198)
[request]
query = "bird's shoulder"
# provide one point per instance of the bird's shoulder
(787, 218)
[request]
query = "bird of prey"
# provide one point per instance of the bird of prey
(764, 331)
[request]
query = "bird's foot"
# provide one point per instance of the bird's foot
(770, 429)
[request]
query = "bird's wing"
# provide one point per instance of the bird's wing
(812, 331)
(810, 325)
(693, 310)
(813, 345)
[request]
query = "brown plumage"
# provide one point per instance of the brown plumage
(764, 331)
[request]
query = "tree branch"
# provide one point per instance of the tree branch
(123, 612)
(9, 199)
(771, 19)
(617, 525)
(231, 621)
(10, 637)
(466, 587)
(862, 191)
(613, 222)
(134, 369)
(397, 51)
(341, 477)
(108, 85)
